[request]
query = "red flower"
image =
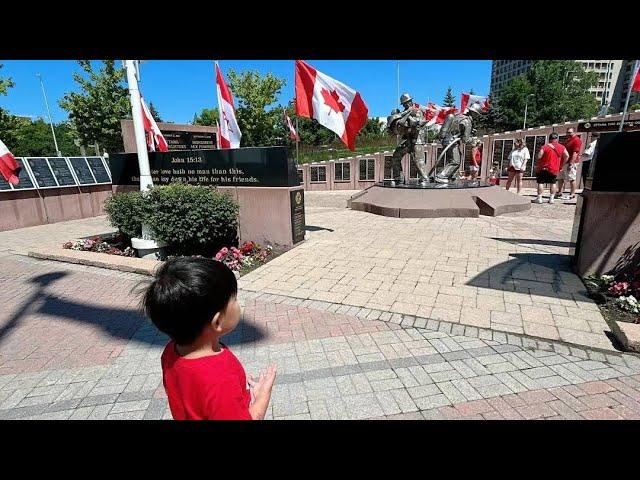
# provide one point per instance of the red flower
(619, 288)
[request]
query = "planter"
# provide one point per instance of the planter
(628, 334)
(150, 249)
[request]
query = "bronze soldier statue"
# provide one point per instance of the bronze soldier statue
(457, 128)
(408, 124)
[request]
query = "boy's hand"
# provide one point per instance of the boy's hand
(261, 390)
(265, 383)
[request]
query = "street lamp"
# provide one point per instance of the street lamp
(526, 104)
(53, 132)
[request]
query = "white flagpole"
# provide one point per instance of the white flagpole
(215, 71)
(138, 126)
(626, 103)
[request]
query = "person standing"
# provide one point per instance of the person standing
(550, 158)
(587, 155)
(569, 169)
(476, 160)
(518, 159)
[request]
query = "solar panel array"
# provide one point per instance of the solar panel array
(59, 172)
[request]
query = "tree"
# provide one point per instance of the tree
(371, 129)
(449, 98)
(559, 92)
(33, 138)
(471, 92)
(97, 109)
(5, 83)
(208, 116)
(635, 106)
(154, 113)
(254, 93)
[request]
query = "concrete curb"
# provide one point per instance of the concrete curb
(102, 260)
(628, 334)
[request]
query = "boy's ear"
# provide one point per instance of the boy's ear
(216, 321)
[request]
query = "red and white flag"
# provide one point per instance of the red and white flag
(636, 81)
(230, 134)
(155, 139)
(9, 167)
(293, 135)
(332, 103)
(468, 100)
(436, 115)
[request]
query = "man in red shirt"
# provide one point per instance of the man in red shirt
(550, 157)
(568, 170)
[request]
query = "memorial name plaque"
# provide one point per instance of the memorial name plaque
(297, 215)
(608, 126)
(23, 177)
(177, 140)
(81, 169)
(99, 170)
(238, 167)
(62, 172)
(42, 173)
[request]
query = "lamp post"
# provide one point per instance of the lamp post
(526, 104)
(53, 132)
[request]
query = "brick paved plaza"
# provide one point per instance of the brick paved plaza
(372, 317)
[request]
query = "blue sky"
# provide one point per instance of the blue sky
(180, 88)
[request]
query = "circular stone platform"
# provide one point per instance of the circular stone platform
(438, 200)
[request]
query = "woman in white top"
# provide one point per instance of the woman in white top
(518, 159)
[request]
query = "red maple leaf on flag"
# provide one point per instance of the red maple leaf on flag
(332, 100)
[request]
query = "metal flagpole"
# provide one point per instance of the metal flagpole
(626, 103)
(55, 141)
(398, 97)
(138, 126)
(297, 141)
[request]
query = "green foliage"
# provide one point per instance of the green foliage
(5, 83)
(154, 113)
(560, 92)
(192, 219)
(97, 109)
(635, 106)
(449, 99)
(208, 117)
(254, 93)
(124, 212)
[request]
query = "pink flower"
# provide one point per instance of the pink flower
(619, 288)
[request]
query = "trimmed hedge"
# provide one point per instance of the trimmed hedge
(192, 220)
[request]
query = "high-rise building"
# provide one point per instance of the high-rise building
(627, 78)
(611, 89)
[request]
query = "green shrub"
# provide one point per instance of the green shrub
(124, 211)
(193, 220)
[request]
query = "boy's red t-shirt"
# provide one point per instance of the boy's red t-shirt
(551, 158)
(206, 388)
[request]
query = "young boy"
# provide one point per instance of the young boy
(193, 300)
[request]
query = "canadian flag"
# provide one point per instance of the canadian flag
(636, 81)
(292, 131)
(468, 100)
(332, 103)
(9, 167)
(436, 115)
(155, 139)
(230, 134)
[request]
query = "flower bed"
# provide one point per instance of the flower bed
(617, 296)
(115, 245)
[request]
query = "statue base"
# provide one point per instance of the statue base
(434, 200)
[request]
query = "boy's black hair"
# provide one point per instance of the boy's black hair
(186, 294)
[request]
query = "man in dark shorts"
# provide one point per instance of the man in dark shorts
(550, 157)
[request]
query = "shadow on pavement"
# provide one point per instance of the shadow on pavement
(117, 322)
(313, 228)
(536, 273)
(534, 241)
